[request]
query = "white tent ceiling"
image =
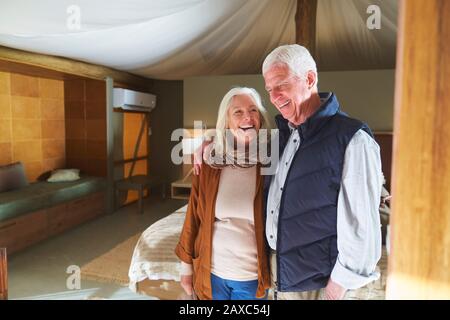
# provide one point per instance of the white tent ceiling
(175, 39)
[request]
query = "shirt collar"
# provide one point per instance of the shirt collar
(328, 108)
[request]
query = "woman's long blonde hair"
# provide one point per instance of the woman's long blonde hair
(222, 117)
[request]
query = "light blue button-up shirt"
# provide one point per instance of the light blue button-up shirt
(358, 219)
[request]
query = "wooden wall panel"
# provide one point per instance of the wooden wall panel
(131, 128)
(32, 123)
(419, 264)
(85, 108)
(384, 140)
(132, 123)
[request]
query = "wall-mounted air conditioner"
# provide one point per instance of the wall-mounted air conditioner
(133, 100)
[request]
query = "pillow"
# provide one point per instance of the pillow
(62, 175)
(12, 177)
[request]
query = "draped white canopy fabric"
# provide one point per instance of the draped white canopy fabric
(343, 40)
(175, 39)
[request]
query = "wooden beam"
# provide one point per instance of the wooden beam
(57, 67)
(110, 194)
(419, 264)
(305, 24)
(3, 275)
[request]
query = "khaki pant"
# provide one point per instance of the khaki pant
(373, 291)
(305, 295)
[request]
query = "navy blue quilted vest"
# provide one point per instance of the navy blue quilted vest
(306, 241)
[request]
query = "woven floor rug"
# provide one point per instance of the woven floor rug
(113, 266)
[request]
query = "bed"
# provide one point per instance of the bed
(155, 269)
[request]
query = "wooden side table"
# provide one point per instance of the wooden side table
(138, 183)
(181, 189)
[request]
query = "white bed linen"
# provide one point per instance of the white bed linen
(154, 255)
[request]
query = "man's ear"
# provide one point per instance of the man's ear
(311, 78)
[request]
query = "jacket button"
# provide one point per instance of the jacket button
(271, 211)
(271, 237)
(295, 140)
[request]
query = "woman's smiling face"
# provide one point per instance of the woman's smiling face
(243, 118)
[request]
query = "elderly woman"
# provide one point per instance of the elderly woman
(222, 246)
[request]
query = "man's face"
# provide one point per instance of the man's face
(287, 92)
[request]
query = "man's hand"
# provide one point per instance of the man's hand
(186, 284)
(333, 291)
(198, 157)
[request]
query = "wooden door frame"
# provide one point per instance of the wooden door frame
(419, 260)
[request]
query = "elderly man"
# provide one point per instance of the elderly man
(322, 219)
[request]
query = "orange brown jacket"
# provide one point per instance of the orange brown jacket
(195, 242)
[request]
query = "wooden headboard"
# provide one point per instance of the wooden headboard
(384, 139)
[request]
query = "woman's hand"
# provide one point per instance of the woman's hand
(186, 284)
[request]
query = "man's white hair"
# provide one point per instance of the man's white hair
(297, 58)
